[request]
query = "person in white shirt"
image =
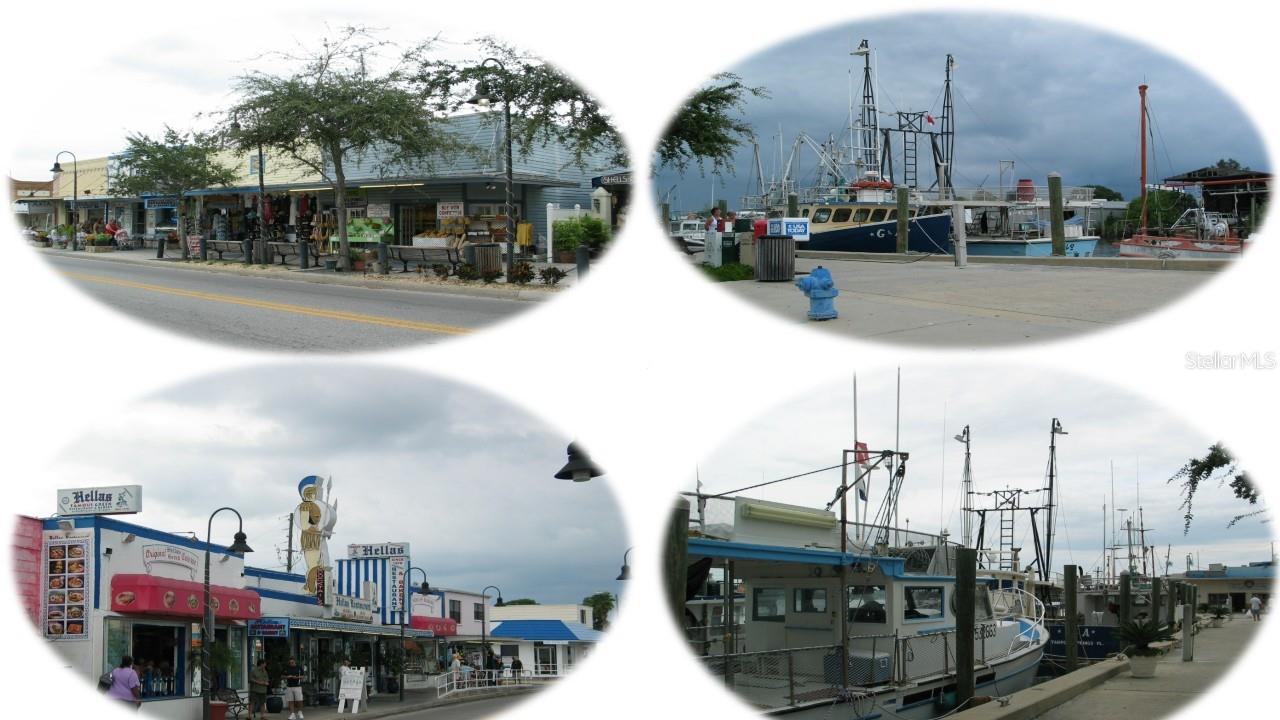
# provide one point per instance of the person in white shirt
(1255, 608)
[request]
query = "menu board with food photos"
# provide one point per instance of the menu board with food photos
(67, 582)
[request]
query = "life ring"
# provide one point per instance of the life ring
(872, 184)
(1248, 583)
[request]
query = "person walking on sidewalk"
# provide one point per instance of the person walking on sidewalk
(259, 686)
(293, 689)
(516, 667)
(1255, 608)
(125, 685)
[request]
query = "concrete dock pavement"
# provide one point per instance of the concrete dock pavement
(985, 304)
(420, 704)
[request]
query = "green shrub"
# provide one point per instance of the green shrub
(490, 276)
(468, 272)
(521, 273)
(551, 275)
(1138, 636)
(586, 230)
(441, 270)
(729, 272)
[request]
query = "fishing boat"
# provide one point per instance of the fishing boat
(849, 613)
(864, 218)
(689, 234)
(1022, 228)
(1196, 234)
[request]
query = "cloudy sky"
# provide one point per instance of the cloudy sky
(1049, 96)
(464, 478)
(1009, 414)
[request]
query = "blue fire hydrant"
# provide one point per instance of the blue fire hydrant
(821, 291)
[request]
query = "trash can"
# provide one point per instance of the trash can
(217, 710)
(775, 258)
(729, 252)
(488, 257)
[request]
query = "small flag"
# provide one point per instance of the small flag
(861, 455)
(928, 118)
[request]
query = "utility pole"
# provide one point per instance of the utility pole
(288, 553)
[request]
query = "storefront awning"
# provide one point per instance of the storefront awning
(152, 595)
(441, 627)
(342, 626)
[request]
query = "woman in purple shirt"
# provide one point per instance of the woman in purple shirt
(124, 683)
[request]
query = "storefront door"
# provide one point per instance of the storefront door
(415, 220)
(545, 656)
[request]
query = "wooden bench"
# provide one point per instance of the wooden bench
(224, 246)
(428, 256)
(235, 703)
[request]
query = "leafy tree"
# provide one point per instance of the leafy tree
(546, 105)
(1102, 192)
(522, 601)
(1163, 208)
(707, 128)
(1229, 164)
(601, 604)
(1218, 465)
(175, 164)
(336, 108)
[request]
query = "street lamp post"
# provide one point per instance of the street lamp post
(75, 188)
(626, 569)
(404, 594)
(484, 98)
(240, 546)
(484, 622)
(579, 468)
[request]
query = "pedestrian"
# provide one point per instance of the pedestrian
(1255, 608)
(715, 221)
(259, 686)
(456, 667)
(125, 685)
(293, 689)
(516, 667)
(729, 220)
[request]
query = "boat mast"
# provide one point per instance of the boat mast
(864, 134)
(1142, 142)
(1055, 429)
(948, 128)
(967, 485)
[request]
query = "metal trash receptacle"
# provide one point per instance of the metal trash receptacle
(488, 257)
(775, 258)
(729, 250)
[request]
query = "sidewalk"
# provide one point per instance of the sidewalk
(388, 704)
(425, 282)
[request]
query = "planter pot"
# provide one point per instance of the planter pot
(1143, 666)
(41, 243)
(275, 704)
(98, 248)
(1216, 622)
(357, 265)
(568, 257)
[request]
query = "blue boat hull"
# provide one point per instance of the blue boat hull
(1095, 641)
(926, 234)
(1040, 247)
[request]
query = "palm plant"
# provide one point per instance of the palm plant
(1138, 637)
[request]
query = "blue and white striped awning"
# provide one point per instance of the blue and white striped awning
(356, 628)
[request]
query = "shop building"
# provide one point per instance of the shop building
(1232, 586)
(32, 203)
(545, 647)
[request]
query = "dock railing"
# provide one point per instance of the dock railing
(493, 681)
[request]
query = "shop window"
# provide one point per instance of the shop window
(809, 600)
(821, 215)
(842, 215)
(582, 616)
(509, 651)
(455, 610)
(867, 604)
(477, 611)
(769, 604)
(159, 657)
(922, 603)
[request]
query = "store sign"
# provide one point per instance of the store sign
(160, 201)
(66, 578)
(272, 627)
(616, 179)
(347, 607)
(426, 605)
(38, 206)
(112, 500)
(352, 687)
(449, 210)
(322, 586)
(357, 552)
(170, 555)
(398, 568)
(378, 210)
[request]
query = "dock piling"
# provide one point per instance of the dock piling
(1188, 625)
(904, 217)
(793, 205)
(1155, 600)
(677, 560)
(1056, 228)
(1126, 597)
(966, 580)
(1072, 629)
(961, 250)
(1172, 602)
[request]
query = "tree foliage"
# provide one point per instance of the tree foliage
(522, 601)
(1217, 465)
(1102, 192)
(174, 164)
(1229, 164)
(1163, 208)
(546, 105)
(707, 128)
(601, 604)
(338, 107)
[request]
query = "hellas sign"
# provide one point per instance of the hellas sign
(118, 499)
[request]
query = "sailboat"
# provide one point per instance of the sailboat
(1196, 233)
(853, 612)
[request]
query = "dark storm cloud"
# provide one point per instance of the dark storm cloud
(462, 476)
(1048, 95)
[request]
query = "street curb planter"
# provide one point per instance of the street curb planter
(1143, 666)
(98, 248)
(41, 243)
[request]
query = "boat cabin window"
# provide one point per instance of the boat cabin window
(769, 604)
(842, 215)
(867, 603)
(862, 215)
(879, 215)
(893, 214)
(922, 603)
(981, 603)
(804, 213)
(809, 600)
(821, 215)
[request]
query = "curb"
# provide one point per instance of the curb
(1094, 262)
(318, 277)
(416, 707)
(1039, 699)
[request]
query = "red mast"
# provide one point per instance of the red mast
(1142, 94)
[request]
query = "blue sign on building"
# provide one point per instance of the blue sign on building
(797, 228)
(269, 627)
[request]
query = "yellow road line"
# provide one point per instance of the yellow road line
(280, 307)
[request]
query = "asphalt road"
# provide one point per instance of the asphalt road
(465, 711)
(281, 314)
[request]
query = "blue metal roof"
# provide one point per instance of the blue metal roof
(732, 550)
(545, 630)
(1239, 572)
